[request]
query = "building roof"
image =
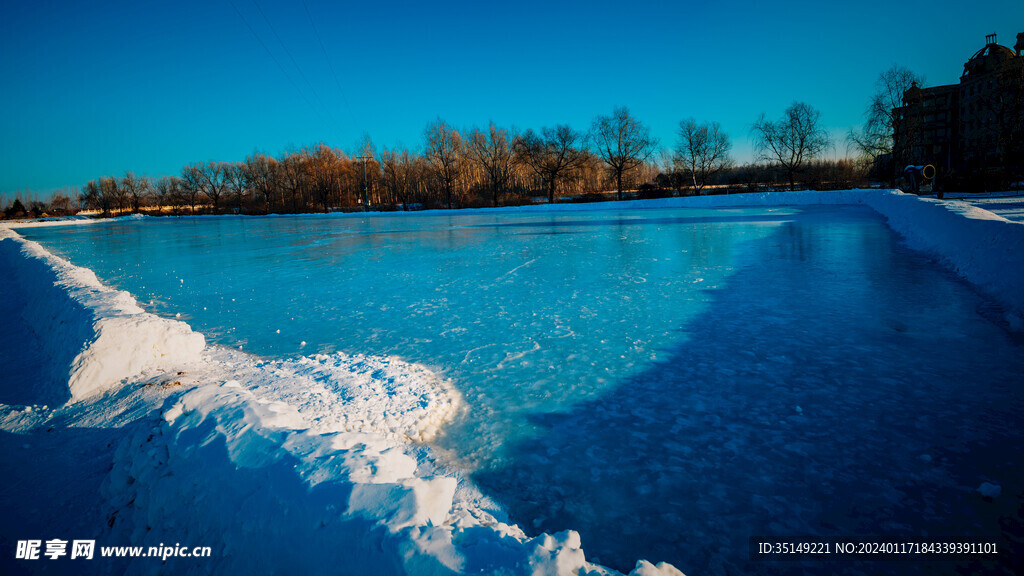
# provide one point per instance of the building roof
(989, 58)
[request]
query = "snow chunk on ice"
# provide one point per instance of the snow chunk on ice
(353, 393)
(988, 490)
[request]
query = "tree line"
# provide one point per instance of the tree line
(490, 166)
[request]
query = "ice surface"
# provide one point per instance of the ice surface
(178, 454)
(631, 374)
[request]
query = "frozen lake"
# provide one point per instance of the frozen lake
(667, 382)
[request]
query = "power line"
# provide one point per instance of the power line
(296, 64)
(276, 61)
(330, 64)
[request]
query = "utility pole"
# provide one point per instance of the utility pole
(366, 194)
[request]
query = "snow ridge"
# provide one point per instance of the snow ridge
(111, 337)
(982, 247)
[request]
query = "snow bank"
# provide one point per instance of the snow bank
(224, 466)
(984, 248)
(109, 337)
(305, 465)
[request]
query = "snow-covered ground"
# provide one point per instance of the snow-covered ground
(204, 445)
(1009, 205)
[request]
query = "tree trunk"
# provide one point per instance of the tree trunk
(618, 183)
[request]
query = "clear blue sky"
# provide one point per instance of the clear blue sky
(98, 88)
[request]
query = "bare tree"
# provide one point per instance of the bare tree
(791, 141)
(91, 198)
(192, 182)
(60, 202)
(214, 182)
(551, 155)
(622, 142)
(293, 177)
(236, 180)
(703, 151)
(166, 192)
(262, 174)
(493, 152)
(669, 170)
(136, 188)
(322, 172)
(444, 150)
(883, 119)
(399, 175)
(111, 194)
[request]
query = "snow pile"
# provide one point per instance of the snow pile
(110, 337)
(341, 393)
(223, 465)
(226, 466)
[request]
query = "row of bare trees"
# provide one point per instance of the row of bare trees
(475, 167)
